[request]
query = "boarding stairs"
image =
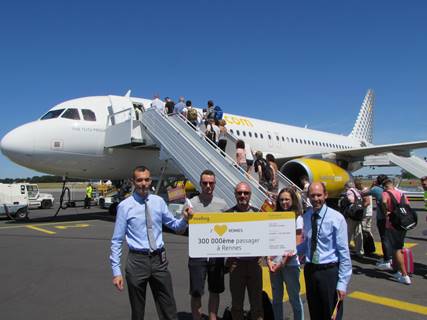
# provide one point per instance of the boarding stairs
(192, 153)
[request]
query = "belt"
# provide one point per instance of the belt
(147, 252)
(321, 266)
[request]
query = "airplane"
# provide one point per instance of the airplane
(70, 141)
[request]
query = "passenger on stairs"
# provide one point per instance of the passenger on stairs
(222, 141)
(241, 155)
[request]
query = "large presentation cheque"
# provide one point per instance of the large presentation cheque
(241, 234)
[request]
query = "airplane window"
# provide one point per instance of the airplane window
(300, 141)
(305, 142)
(238, 132)
(277, 138)
(283, 139)
(71, 114)
(244, 133)
(52, 114)
(269, 137)
(287, 139)
(231, 130)
(292, 140)
(256, 135)
(250, 134)
(262, 137)
(88, 115)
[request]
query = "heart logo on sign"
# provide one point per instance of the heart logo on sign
(220, 229)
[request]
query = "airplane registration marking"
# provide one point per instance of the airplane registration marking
(79, 225)
(40, 229)
(388, 302)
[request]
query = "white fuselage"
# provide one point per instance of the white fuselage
(76, 148)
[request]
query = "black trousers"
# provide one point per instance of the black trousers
(87, 202)
(321, 291)
(142, 269)
(385, 244)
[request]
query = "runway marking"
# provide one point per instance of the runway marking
(79, 225)
(42, 224)
(40, 229)
(266, 284)
(379, 249)
(388, 302)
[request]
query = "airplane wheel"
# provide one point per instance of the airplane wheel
(21, 214)
(113, 209)
(46, 204)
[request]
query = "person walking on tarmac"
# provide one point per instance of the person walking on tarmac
(88, 196)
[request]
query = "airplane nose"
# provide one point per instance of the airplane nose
(18, 143)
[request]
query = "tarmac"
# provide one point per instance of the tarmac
(59, 269)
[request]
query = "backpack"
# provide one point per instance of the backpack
(403, 217)
(355, 210)
(192, 114)
(267, 172)
(210, 133)
(218, 113)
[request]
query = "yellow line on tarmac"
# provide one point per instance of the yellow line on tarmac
(393, 303)
(379, 249)
(42, 224)
(266, 284)
(40, 229)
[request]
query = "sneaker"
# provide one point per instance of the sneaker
(384, 266)
(397, 275)
(404, 279)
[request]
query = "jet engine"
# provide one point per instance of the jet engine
(327, 172)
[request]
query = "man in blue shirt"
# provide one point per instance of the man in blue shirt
(328, 266)
(140, 218)
(180, 106)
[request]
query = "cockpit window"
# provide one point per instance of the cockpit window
(71, 114)
(52, 114)
(88, 115)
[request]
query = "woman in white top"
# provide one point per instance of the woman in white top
(287, 268)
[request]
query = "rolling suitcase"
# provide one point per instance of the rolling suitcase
(408, 259)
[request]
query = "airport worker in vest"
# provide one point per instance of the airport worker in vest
(139, 219)
(325, 246)
(88, 196)
(212, 268)
(245, 272)
(424, 185)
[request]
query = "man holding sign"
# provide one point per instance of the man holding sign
(245, 272)
(328, 266)
(213, 268)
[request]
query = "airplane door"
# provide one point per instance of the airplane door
(116, 111)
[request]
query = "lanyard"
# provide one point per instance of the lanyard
(321, 222)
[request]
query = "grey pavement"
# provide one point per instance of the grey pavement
(60, 270)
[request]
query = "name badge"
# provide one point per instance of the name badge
(315, 257)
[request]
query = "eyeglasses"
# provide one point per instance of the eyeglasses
(205, 183)
(243, 193)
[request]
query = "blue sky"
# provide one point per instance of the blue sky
(298, 62)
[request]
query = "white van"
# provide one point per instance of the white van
(14, 199)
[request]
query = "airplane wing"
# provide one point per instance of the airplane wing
(402, 149)
(358, 154)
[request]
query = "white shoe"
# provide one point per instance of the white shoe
(386, 266)
(397, 275)
(404, 279)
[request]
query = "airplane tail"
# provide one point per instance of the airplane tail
(364, 125)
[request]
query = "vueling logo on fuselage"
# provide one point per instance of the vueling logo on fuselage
(238, 121)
